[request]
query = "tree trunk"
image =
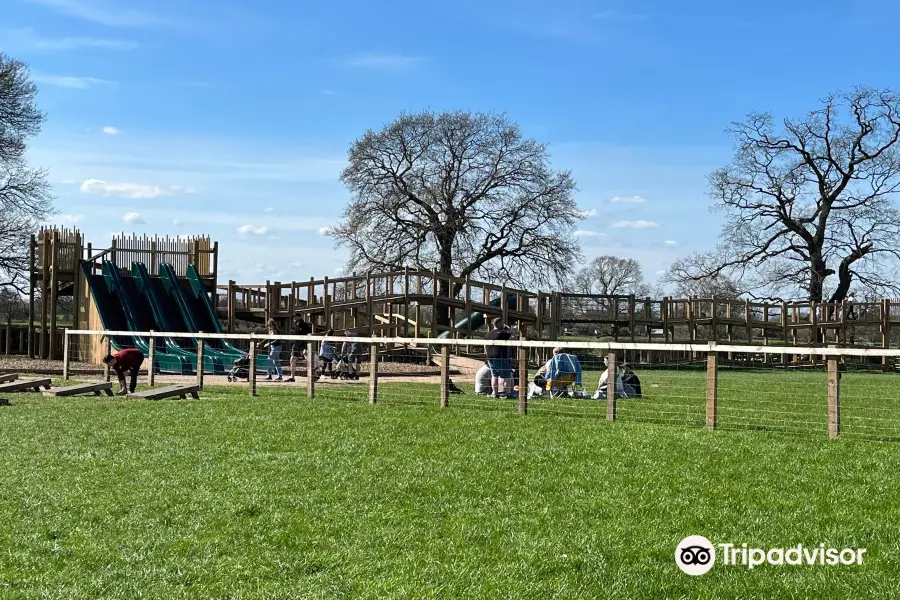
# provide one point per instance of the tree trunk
(446, 267)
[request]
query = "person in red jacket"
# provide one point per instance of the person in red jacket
(129, 359)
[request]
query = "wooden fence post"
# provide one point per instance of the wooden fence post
(373, 374)
(107, 350)
(151, 363)
(310, 370)
(65, 354)
(611, 390)
(251, 376)
(445, 376)
(523, 380)
(200, 348)
(834, 398)
(712, 389)
(9, 335)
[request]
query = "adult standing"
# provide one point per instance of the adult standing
(498, 357)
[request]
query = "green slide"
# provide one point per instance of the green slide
(167, 319)
(198, 313)
(138, 318)
(477, 318)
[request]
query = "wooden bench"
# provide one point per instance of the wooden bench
(25, 385)
(7, 377)
(170, 391)
(82, 388)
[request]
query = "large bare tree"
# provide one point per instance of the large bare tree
(609, 276)
(461, 192)
(25, 198)
(810, 203)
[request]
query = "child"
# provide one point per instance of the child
(326, 354)
(273, 364)
(631, 384)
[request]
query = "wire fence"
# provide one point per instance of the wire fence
(833, 391)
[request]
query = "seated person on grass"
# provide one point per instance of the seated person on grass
(561, 371)
(603, 384)
(483, 381)
(129, 359)
(631, 383)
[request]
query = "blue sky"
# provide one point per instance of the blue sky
(233, 118)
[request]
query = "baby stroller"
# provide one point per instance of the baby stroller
(345, 369)
(240, 369)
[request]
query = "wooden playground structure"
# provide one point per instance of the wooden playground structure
(406, 302)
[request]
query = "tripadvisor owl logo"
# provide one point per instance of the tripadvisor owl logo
(695, 555)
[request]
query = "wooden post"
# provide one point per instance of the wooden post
(834, 398)
(45, 293)
(76, 281)
(885, 330)
(112, 254)
(370, 316)
(504, 305)
(523, 381)
(151, 362)
(65, 353)
(201, 345)
(417, 313)
(251, 376)
(31, 252)
(231, 304)
(631, 316)
(748, 317)
(373, 374)
(712, 389)
(52, 350)
(9, 335)
(107, 350)
(326, 302)
(215, 272)
(434, 304)
(445, 376)
(611, 390)
(664, 313)
(310, 370)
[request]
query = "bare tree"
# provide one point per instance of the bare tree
(811, 199)
(609, 276)
(707, 287)
(460, 192)
(25, 198)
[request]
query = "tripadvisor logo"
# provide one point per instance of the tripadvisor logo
(696, 555)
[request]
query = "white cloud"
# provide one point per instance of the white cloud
(273, 237)
(661, 272)
(584, 233)
(589, 214)
(637, 224)
(268, 209)
(67, 219)
(245, 229)
(176, 222)
(295, 265)
(384, 60)
(324, 230)
(122, 190)
(104, 14)
(30, 40)
(133, 218)
(69, 81)
(628, 200)
(110, 130)
(671, 243)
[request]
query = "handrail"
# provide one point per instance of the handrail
(609, 346)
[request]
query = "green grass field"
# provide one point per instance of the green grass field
(281, 496)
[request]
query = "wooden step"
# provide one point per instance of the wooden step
(81, 388)
(7, 377)
(182, 391)
(25, 385)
